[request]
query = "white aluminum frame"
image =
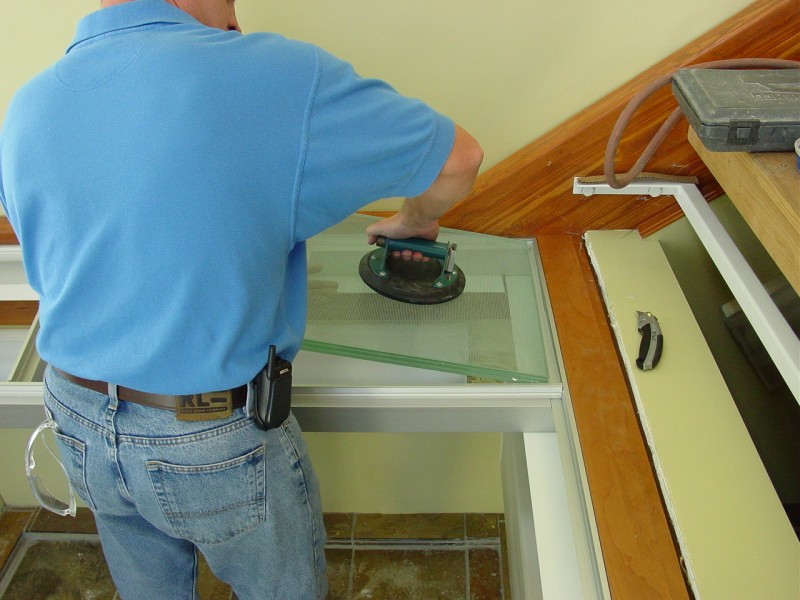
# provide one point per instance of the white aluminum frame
(543, 474)
(769, 324)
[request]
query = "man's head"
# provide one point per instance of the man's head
(220, 14)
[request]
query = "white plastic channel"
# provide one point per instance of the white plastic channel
(771, 327)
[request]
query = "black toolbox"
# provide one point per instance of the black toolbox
(741, 110)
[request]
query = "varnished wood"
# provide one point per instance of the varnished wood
(765, 188)
(7, 235)
(18, 313)
(530, 192)
(640, 556)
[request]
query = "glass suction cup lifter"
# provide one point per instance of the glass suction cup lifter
(418, 282)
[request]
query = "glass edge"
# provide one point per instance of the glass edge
(430, 364)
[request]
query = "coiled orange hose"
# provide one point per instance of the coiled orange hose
(618, 181)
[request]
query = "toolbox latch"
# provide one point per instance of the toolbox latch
(743, 133)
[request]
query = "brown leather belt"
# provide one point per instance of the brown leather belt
(210, 405)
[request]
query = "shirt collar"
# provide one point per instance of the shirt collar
(138, 13)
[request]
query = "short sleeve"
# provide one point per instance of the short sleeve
(364, 141)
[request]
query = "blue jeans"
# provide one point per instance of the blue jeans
(247, 499)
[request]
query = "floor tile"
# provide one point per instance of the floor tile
(61, 571)
(504, 558)
(391, 557)
(46, 521)
(482, 525)
(338, 526)
(12, 524)
(208, 586)
(485, 577)
(409, 575)
(340, 562)
(433, 526)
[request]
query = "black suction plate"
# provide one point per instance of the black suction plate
(410, 281)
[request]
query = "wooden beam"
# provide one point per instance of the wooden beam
(638, 549)
(765, 189)
(18, 313)
(7, 235)
(530, 192)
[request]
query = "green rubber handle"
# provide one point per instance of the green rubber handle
(428, 248)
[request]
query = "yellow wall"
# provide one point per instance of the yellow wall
(507, 70)
(358, 472)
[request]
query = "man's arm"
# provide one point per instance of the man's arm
(419, 216)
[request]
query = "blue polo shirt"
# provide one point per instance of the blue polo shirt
(162, 178)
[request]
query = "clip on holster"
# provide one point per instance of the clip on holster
(272, 390)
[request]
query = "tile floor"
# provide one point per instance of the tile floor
(380, 557)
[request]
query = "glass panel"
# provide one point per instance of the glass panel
(495, 330)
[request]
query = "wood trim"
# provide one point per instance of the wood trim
(18, 313)
(530, 192)
(7, 235)
(638, 548)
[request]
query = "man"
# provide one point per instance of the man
(162, 178)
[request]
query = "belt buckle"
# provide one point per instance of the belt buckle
(204, 407)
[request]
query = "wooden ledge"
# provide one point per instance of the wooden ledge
(638, 549)
(765, 188)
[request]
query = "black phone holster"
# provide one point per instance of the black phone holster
(272, 392)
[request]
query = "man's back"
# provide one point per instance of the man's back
(164, 175)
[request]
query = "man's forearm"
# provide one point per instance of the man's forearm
(454, 182)
(418, 217)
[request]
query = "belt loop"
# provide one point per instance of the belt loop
(249, 405)
(112, 394)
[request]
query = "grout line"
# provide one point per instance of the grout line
(12, 563)
(502, 558)
(8, 567)
(352, 575)
(57, 536)
(402, 545)
(493, 543)
(395, 544)
(468, 592)
(466, 574)
(32, 519)
(18, 539)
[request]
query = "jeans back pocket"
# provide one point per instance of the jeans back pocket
(73, 454)
(208, 504)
